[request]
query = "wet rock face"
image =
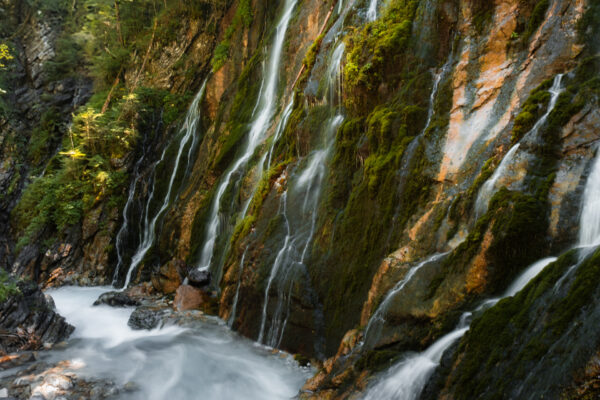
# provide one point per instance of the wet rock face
(28, 321)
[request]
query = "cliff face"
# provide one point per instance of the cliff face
(355, 176)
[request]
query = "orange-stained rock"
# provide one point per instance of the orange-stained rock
(169, 278)
(188, 298)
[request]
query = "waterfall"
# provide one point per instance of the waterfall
(237, 289)
(407, 379)
(589, 225)
(280, 129)
(375, 324)
(265, 110)
(491, 186)
(372, 10)
(188, 134)
(124, 230)
(303, 193)
(300, 223)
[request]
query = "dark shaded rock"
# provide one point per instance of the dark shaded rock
(117, 299)
(199, 278)
(28, 321)
(148, 317)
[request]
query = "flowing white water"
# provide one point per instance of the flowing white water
(303, 193)
(259, 127)
(123, 231)
(407, 379)
(372, 10)
(287, 112)
(207, 360)
(188, 132)
(375, 324)
(300, 219)
(491, 186)
(589, 225)
(237, 289)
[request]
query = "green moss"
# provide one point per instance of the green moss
(532, 110)
(484, 348)
(242, 19)
(537, 17)
(8, 286)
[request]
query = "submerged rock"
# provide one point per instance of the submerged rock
(117, 299)
(148, 317)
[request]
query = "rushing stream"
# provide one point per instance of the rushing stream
(207, 361)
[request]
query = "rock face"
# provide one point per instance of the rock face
(409, 168)
(28, 321)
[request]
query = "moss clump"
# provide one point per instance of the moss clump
(242, 19)
(532, 110)
(537, 17)
(378, 53)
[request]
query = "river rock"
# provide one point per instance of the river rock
(117, 299)
(199, 278)
(148, 317)
(188, 298)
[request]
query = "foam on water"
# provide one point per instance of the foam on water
(172, 362)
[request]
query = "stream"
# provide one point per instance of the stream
(207, 360)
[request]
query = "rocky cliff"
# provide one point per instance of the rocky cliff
(356, 176)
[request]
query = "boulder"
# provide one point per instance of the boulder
(199, 278)
(117, 299)
(148, 317)
(188, 298)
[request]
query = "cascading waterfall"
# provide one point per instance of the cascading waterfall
(266, 108)
(372, 10)
(491, 186)
(407, 379)
(300, 223)
(188, 133)
(375, 324)
(589, 228)
(123, 231)
(303, 193)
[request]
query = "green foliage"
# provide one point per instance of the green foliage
(242, 19)
(82, 175)
(8, 286)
